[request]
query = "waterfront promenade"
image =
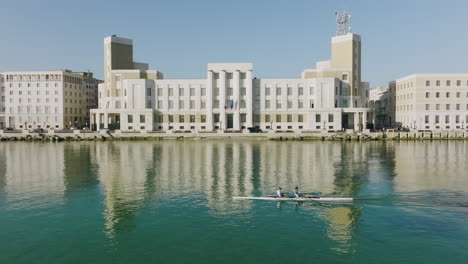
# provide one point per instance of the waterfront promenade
(80, 135)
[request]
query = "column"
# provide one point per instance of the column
(222, 99)
(106, 120)
(356, 121)
(364, 120)
(209, 101)
(91, 120)
(249, 98)
(236, 94)
(98, 121)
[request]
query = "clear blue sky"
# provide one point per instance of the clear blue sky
(281, 38)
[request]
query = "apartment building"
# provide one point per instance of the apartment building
(230, 98)
(430, 101)
(54, 99)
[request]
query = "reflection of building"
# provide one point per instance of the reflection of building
(330, 97)
(34, 172)
(2, 102)
(422, 166)
(53, 99)
(430, 101)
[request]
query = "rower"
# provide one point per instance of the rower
(280, 192)
(296, 192)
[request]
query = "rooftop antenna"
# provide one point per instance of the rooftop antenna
(342, 19)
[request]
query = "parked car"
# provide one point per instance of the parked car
(254, 130)
(9, 129)
(38, 130)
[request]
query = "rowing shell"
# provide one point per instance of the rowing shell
(301, 199)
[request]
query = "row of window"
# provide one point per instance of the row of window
(458, 119)
(230, 75)
(447, 94)
(447, 107)
(447, 83)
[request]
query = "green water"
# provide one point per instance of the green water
(170, 202)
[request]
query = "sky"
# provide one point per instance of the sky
(281, 38)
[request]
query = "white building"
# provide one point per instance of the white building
(54, 99)
(331, 97)
(430, 101)
(2, 102)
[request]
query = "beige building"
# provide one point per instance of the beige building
(430, 102)
(379, 100)
(55, 99)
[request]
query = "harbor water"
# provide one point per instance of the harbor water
(171, 202)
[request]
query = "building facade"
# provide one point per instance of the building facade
(55, 99)
(2, 102)
(379, 100)
(328, 98)
(430, 101)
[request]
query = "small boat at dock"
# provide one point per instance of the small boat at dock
(300, 199)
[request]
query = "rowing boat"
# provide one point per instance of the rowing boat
(301, 199)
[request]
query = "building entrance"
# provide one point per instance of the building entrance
(230, 121)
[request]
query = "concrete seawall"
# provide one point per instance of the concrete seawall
(76, 135)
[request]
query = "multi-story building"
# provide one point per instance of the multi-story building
(2, 102)
(331, 97)
(379, 101)
(91, 93)
(54, 99)
(430, 101)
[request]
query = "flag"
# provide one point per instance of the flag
(231, 105)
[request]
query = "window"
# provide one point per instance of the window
(458, 106)
(215, 75)
(192, 91)
(301, 90)
(428, 83)
(148, 103)
(289, 90)
(170, 91)
(278, 104)
(160, 104)
(216, 91)
(181, 118)
(426, 119)
(312, 90)
(300, 118)
(289, 117)
(181, 104)
(243, 91)
(267, 104)
(242, 75)
(437, 119)
(181, 91)
(437, 106)
(242, 104)
(331, 118)
(317, 118)
(278, 118)
(447, 94)
(457, 119)
(243, 118)
(300, 104)
(130, 118)
(267, 118)
(428, 107)
(447, 83)
(148, 91)
(192, 118)
(447, 107)
(312, 103)
(437, 94)
(216, 104)
(458, 94)
(203, 104)
(171, 104)
(160, 91)
(142, 118)
(229, 91)
(229, 75)
(192, 104)
(344, 77)
(447, 119)
(267, 91)
(278, 90)
(203, 118)
(458, 83)
(290, 104)
(428, 94)
(171, 118)
(203, 91)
